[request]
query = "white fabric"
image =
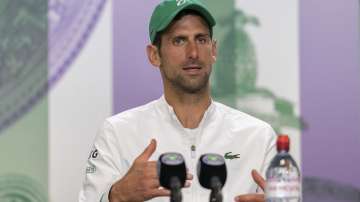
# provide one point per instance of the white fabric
(124, 136)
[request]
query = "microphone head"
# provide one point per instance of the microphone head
(210, 166)
(169, 166)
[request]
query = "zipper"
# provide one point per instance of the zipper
(193, 162)
(192, 147)
(193, 151)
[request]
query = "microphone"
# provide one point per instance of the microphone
(211, 170)
(171, 170)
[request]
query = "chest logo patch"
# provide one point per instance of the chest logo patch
(229, 155)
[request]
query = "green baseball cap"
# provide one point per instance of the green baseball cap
(167, 10)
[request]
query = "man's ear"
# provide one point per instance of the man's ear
(153, 55)
(214, 50)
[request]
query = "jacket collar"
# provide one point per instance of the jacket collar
(167, 112)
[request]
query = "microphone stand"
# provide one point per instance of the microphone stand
(175, 188)
(215, 195)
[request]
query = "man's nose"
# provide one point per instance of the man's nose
(192, 50)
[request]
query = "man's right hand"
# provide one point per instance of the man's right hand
(141, 182)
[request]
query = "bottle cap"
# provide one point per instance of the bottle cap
(283, 143)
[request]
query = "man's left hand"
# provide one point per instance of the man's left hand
(260, 181)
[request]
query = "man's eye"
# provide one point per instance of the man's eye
(178, 41)
(203, 40)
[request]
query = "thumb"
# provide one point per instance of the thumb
(258, 179)
(149, 150)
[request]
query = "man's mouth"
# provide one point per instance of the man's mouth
(192, 70)
(193, 67)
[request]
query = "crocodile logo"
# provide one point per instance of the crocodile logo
(230, 156)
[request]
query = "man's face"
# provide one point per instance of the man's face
(186, 55)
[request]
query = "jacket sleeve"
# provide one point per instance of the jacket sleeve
(104, 166)
(270, 152)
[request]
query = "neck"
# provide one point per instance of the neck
(188, 107)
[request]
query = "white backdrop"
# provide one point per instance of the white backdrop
(78, 104)
(277, 48)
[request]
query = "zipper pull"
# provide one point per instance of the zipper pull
(193, 151)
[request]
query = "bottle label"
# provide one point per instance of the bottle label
(287, 188)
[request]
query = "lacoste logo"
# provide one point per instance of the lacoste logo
(230, 156)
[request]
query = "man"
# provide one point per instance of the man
(122, 165)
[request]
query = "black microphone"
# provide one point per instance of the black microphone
(171, 170)
(211, 170)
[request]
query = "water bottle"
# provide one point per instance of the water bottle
(283, 180)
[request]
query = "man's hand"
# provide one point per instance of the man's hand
(260, 181)
(141, 182)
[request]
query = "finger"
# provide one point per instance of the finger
(151, 174)
(153, 184)
(154, 181)
(258, 179)
(158, 192)
(151, 169)
(156, 184)
(151, 163)
(250, 198)
(187, 184)
(189, 176)
(149, 150)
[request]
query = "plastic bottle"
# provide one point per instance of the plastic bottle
(283, 180)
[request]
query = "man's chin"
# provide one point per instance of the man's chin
(194, 89)
(190, 85)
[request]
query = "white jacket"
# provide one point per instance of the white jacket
(124, 136)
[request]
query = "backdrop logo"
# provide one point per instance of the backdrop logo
(236, 84)
(35, 50)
